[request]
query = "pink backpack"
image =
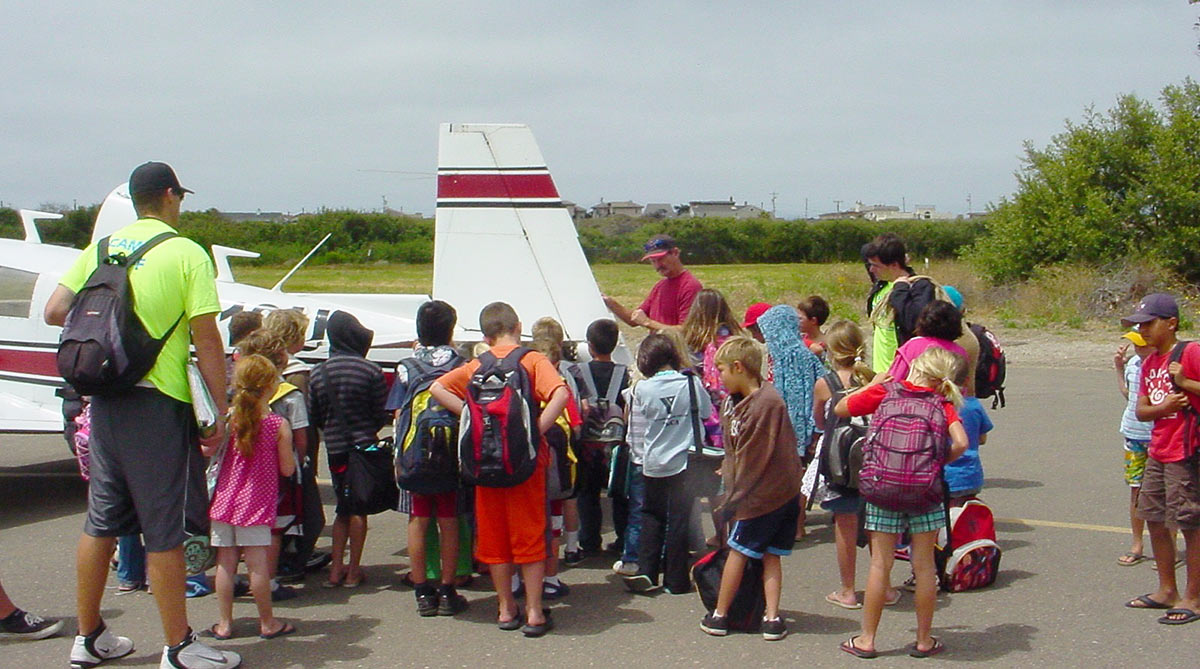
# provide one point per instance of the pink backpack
(906, 446)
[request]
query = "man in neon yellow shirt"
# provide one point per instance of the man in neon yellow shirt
(144, 455)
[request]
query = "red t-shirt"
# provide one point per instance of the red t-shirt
(670, 299)
(867, 401)
(1166, 439)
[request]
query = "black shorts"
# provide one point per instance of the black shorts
(338, 462)
(147, 472)
(773, 532)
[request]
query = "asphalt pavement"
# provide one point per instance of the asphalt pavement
(1053, 466)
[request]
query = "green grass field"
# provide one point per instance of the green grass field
(844, 285)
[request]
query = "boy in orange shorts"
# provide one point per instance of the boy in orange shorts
(512, 524)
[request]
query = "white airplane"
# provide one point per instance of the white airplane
(501, 233)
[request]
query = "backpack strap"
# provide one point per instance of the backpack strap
(694, 411)
(589, 380)
(614, 384)
(1189, 413)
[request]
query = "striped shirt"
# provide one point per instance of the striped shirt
(346, 396)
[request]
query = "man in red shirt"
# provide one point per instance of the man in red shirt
(1170, 495)
(671, 298)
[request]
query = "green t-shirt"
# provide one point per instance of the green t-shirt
(883, 335)
(176, 277)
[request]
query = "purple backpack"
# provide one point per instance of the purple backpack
(907, 444)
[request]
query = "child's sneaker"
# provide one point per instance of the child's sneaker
(427, 603)
(641, 583)
(191, 654)
(555, 589)
(774, 629)
(714, 624)
(621, 568)
(450, 602)
(126, 587)
(572, 558)
(97, 647)
(30, 626)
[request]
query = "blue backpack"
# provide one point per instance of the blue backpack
(426, 433)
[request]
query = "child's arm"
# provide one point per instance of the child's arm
(958, 440)
(1184, 383)
(821, 395)
(453, 403)
(287, 459)
(1147, 412)
(554, 407)
(1119, 360)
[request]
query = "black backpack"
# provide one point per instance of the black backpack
(842, 452)
(989, 374)
(498, 437)
(426, 432)
(104, 348)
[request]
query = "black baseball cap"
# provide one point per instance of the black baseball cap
(1158, 305)
(153, 176)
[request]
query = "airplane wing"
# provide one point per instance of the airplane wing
(20, 414)
(503, 234)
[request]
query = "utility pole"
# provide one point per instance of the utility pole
(969, 207)
(773, 196)
(837, 205)
(805, 207)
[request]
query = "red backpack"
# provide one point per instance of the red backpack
(498, 438)
(906, 446)
(968, 557)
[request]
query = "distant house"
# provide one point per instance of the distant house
(724, 209)
(624, 208)
(258, 216)
(659, 210)
(928, 212)
(577, 212)
(839, 215)
(885, 212)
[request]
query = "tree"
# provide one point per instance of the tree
(1126, 181)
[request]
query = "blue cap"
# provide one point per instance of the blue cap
(956, 298)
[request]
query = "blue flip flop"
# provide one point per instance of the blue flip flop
(1189, 615)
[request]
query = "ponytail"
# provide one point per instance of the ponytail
(253, 377)
(937, 368)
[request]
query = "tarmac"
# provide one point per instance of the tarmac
(1054, 480)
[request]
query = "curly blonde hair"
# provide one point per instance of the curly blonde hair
(290, 324)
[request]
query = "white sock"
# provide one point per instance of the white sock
(552, 580)
(274, 585)
(572, 541)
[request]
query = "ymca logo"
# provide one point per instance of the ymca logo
(668, 404)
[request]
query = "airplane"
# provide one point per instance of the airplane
(501, 234)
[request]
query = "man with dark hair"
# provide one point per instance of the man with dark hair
(671, 298)
(435, 323)
(143, 440)
(896, 299)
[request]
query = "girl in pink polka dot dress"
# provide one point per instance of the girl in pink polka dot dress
(243, 503)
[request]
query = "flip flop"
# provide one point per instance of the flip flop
(893, 602)
(354, 584)
(1129, 559)
(534, 631)
(849, 647)
(937, 647)
(331, 584)
(832, 599)
(1189, 615)
(287, 629)
(1154, 565)
(1145, 602)
(212, 631)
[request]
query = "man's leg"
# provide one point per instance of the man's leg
(168, 579)
(91, 573)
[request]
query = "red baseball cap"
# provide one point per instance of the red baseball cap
(753, 312)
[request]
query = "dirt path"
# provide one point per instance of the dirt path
(1068, 349)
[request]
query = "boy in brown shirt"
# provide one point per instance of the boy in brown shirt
(762, 473)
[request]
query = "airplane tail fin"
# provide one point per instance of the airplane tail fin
(502, 233)
(115, 213)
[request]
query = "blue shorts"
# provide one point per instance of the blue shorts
(773, 532)
(843, 504)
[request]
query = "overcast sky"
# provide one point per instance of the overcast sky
(298, 105)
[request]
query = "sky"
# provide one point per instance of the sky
(300, 105)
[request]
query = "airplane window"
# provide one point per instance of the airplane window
(16, 292)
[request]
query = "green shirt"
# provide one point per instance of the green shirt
(174, 278)
(883, 335)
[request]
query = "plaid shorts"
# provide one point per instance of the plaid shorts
(896, 522)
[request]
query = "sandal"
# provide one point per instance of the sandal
(212, 631)
(1129, 559)
(894, 600)
(332, 583)
(832, 598)
(284, 630)
(849, 647)
(937, 647)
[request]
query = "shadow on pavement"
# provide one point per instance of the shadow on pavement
(988, 644)
(1012, 484)
(41, 492)
(316, 643)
